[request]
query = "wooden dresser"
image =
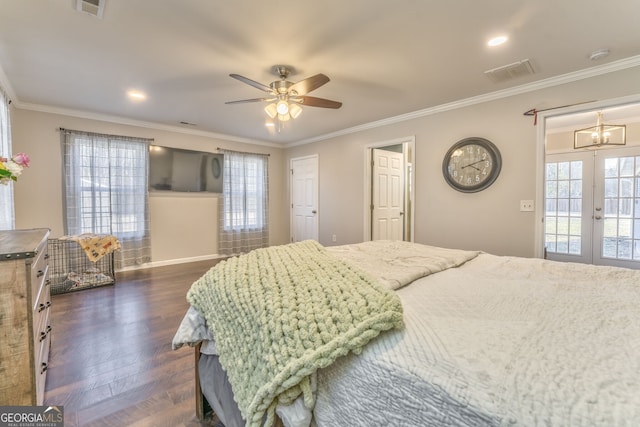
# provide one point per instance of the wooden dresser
(25, 319)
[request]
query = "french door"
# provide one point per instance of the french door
(592, 207)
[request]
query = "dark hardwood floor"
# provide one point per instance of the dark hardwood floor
(111, 362)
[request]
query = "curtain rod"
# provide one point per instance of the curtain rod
(82, 132)
(242, 152)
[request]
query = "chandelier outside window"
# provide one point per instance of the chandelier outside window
(599, 135)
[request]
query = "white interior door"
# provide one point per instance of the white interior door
(304, 198)
(387, 196)
(592, 207)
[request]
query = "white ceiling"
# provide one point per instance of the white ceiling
(385, 58)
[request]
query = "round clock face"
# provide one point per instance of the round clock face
(471, 165)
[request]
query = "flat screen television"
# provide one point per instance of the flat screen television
(177, 169)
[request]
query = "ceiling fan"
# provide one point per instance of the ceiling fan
(285, 97)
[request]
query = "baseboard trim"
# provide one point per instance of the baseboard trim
(172, 262)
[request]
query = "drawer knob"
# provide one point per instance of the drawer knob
(40, 273)
(43, 334)
(43, 367)
(44, 306)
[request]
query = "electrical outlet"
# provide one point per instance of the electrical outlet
(334, 238)
(526, 205)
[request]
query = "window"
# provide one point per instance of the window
(245, 193)
(244, 223)
(106, 191)
(7, 220)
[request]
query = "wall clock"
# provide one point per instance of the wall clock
(215, 167)
(471, 164)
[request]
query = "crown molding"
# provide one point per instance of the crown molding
(140, 123)
(611, 67)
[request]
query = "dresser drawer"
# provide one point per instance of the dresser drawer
(41, 316)
(39, 273)
(41, 365)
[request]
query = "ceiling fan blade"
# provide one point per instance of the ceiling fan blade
(307, 85)
(250, 82)
(312, 101)
(243, 101)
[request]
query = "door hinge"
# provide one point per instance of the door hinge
(291, 171)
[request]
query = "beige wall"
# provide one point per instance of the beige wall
(489, 220)
(183, 227)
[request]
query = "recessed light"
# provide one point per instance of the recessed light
(136, 95)
(497, 41)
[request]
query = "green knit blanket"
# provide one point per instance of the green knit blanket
(278, 314)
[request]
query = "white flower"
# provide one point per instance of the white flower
(13, 167)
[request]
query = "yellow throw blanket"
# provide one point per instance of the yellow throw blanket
(278, 314)
(95, 246)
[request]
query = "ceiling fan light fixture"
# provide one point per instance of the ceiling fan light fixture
(285, 98)
(271, 110)
(282, 107)
(295, 110)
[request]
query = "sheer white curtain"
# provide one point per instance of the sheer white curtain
(7, 219)
(244, 208)
(106, 191)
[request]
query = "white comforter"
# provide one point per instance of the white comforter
(489, 341)
(499, 341)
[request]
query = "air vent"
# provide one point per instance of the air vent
(92, 7)
(511, 71)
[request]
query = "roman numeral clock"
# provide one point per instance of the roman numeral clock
(472, 164)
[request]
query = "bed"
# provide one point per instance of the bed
(484, 340)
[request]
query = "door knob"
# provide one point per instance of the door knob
(314, 211)
(598, 217)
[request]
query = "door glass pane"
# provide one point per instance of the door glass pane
(575, 245)
(624, 249)
(627, 166)
(621, 208)
(610, 187)
(575, 226)
(611, 167)
(563, 207)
